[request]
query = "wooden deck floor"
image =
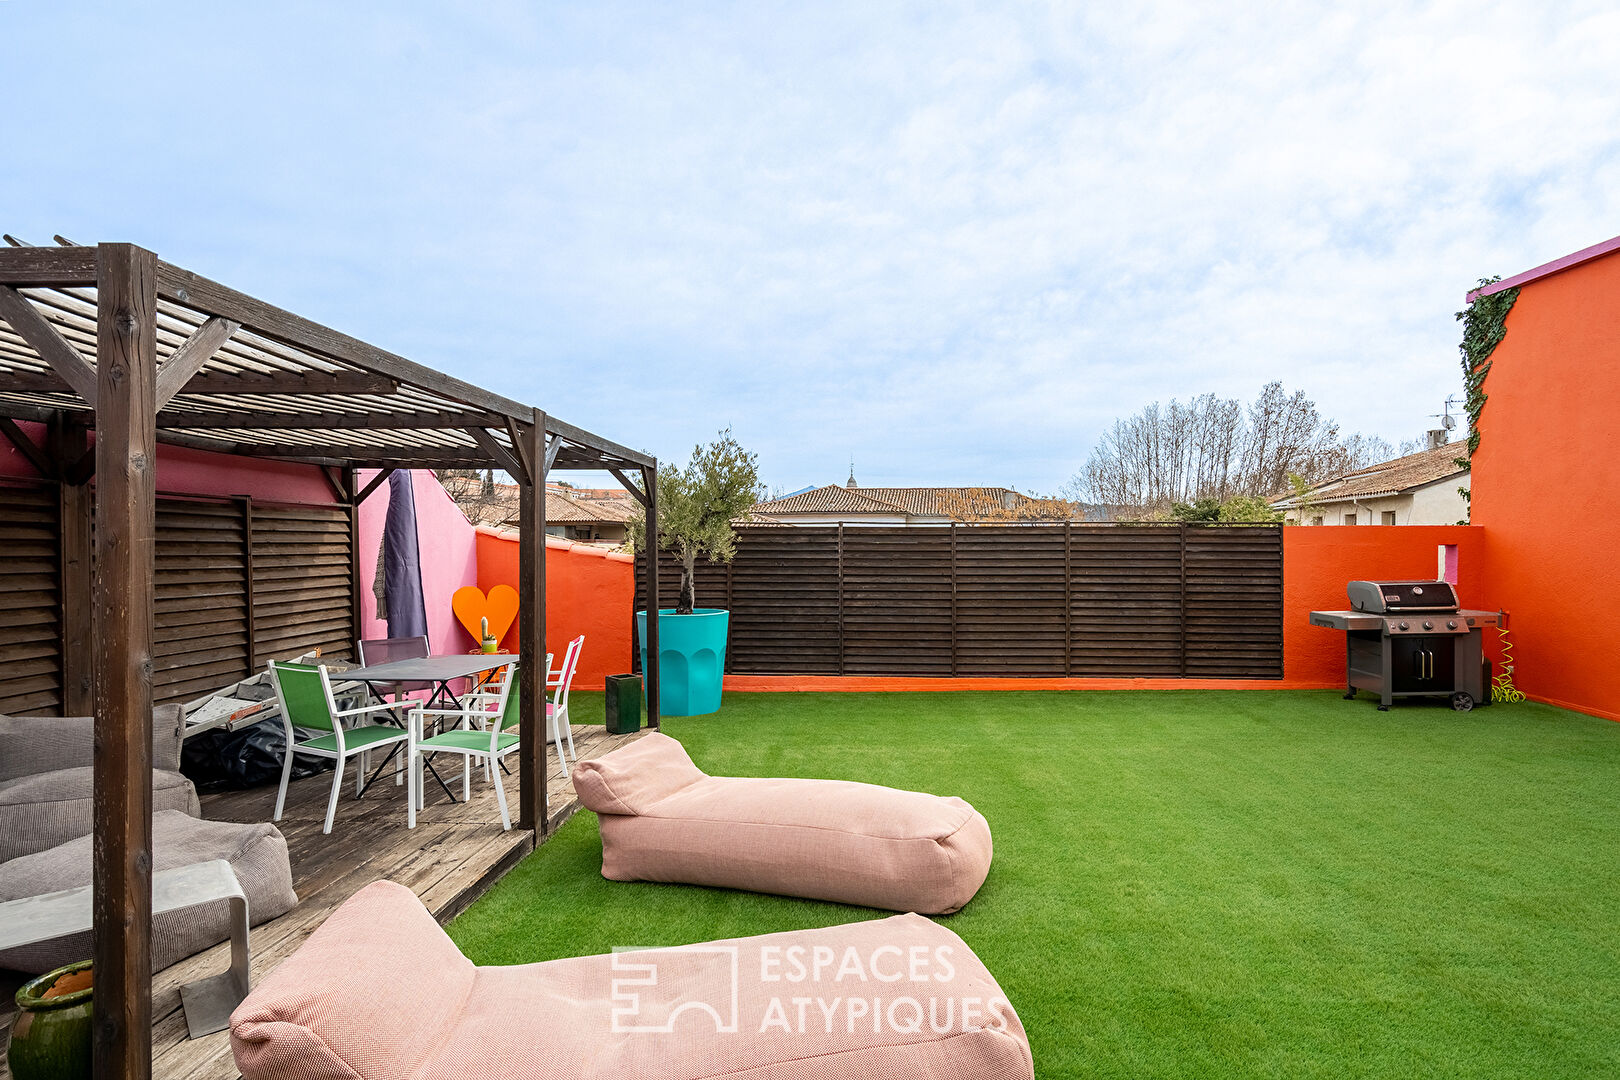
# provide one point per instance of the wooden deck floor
(454, 854)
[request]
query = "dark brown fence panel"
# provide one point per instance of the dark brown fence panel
(896, 601)
(782, 590)
(301, 582)
(1048, 600)
(1125, 600)
(709, 586)
(200, 614)
(1234, 602)
(1010, 617)
(30, 601)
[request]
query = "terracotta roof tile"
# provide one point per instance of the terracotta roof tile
(1388, 477)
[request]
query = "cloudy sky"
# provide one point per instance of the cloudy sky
(952, 241)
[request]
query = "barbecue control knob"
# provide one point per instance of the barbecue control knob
(1406, 626)
(1451, 624)
(1428, 626)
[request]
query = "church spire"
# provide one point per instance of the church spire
(851, 482)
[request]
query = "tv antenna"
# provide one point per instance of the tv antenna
(1448, 421)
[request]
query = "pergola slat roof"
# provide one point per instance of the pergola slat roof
(275, 386)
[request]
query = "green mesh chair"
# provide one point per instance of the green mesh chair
(497, 713)
(307, 701)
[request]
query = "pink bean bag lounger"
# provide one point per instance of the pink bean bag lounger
(379, 992)
(664, 819)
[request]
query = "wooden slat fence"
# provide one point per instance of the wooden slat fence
(1176, 600)
(238, 583)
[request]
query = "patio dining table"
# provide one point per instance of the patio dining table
(440, 671)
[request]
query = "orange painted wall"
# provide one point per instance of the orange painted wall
(588, 591)
(1546, 478)
(1316, 564)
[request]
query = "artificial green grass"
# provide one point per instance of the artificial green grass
(1199, 884)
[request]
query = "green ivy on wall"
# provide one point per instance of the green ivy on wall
(1484, 326)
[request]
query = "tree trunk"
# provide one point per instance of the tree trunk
(688, 598)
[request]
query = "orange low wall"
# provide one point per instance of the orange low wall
(588, 591)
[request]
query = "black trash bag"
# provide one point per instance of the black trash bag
(248, 757)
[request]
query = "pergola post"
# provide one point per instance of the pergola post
(532, 627)
(69, 442)
(126, 458)
(649, 484)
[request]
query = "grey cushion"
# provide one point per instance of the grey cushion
(257, 853)
(36, 744)
(41, 811)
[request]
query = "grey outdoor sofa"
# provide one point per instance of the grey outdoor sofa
(45, 824)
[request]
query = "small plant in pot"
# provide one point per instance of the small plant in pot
(697, 503)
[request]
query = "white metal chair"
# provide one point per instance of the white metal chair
(498, 739)
(305, 694)
(558, 726)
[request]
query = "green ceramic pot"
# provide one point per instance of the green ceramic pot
(50, 1038)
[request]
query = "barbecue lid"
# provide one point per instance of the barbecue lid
(1379, 597)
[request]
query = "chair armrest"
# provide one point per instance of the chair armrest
(343, 714)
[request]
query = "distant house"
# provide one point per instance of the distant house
(1418, 489)
(593, 515)
(851, 504)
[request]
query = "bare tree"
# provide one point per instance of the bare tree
(1213, 448)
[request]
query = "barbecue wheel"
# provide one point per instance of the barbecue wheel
(1462, 702)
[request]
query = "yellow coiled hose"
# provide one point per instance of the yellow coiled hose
(1502, 688)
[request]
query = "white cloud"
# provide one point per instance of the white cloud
(955, 242)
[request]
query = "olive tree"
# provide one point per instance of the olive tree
(697, 503)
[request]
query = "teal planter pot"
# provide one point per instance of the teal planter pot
(692, 654)
(50, 1037)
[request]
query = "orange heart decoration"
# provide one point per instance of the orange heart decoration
(500, 607)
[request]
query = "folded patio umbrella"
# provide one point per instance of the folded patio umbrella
(399, 573)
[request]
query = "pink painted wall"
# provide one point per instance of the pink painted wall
(196, 472)
(449, 546)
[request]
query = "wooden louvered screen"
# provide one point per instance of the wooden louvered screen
(302, 573)
(200, 617)
(237, 583)
(1078, 600)
(30, 601)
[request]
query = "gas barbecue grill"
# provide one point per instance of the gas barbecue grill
(1407, 639)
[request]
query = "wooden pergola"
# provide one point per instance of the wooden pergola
(110, 338)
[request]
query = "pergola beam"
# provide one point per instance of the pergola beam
(47, 267)
(74, 370)
(294, 421)
(192, 354)
(267, 320)
(650, 676)
(219, 382)
(505, 458)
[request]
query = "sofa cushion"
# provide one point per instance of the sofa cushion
(43, 810)
(257, 854)
(375, 991)
(823, 839)
(634, 778)
(921, 1006)
(36, 744)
